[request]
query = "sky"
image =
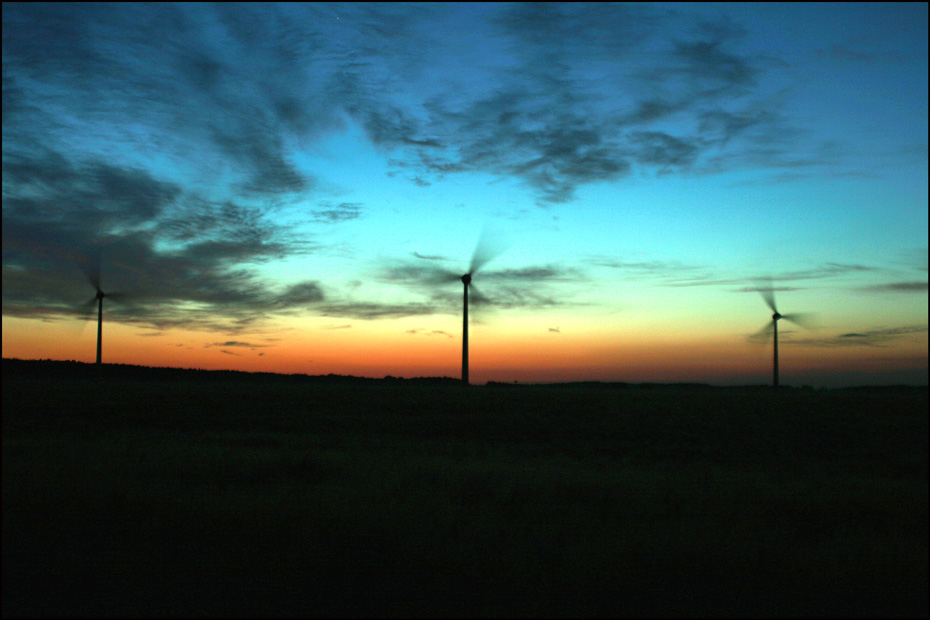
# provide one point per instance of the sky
(286, 187)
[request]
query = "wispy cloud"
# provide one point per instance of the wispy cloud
(374, 310)
(342, 212)
(168, 138)
(872, 338)
(898, 287)
(419, 331)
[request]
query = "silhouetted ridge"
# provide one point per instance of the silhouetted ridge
(71, 369)
(45, 369)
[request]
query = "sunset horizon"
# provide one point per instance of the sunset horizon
(274, 188)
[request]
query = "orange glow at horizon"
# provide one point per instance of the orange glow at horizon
(531, 356)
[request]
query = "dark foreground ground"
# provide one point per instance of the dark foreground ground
(156, 493)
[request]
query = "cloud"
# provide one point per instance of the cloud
(872, 338)
(643, 269)
(375, 310)
(663, 150)
(168, 138)
(526, 288)
(338, 213)
(299, 295)
(246, 87)
(823, 271)
(178, 259)
(419, 331)
(898, 287)
(535, 274)
(236, 343)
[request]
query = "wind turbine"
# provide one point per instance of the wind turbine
(488, 247)
(768, 294)
(93, 276)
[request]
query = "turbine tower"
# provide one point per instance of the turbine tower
(99, 298)
(466, 280)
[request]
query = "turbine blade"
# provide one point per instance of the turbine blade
(118, 296)
(764, 286)
(762, 336)
(90, 265)
(476, 297)
(490, 245)
(422, 274)
(480, 306)
(807, 321)
(86, 313)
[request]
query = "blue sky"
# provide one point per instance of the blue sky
(272, 175)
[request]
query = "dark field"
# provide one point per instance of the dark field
(143, 493)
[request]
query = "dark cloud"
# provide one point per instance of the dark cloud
(342, 212)
(419, 331)
(899, 287)
(236, 343)
(300, 294)
(872, 338)
(824, 271)
(374, 310)
(526, 288)
(653, 267)
(42, 187)
(535, 274)
(178, 260)
(663, 150)
(184, 123)
(720, 126)
(257, 83)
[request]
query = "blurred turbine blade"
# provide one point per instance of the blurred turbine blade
(764, 286)
(490, 245)
(762, 336)
(807, 321)
(91, 268)
(420, 274)
(480, 306)
(477, 297)
(86, 313)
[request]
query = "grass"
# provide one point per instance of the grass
(247, 497)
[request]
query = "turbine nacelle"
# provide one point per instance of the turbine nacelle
(466, 279)
(776, 316)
